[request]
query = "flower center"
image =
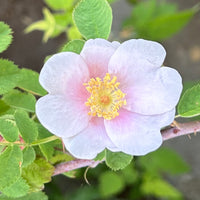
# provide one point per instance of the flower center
(106, 98)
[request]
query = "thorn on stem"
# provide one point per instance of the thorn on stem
(175, 124)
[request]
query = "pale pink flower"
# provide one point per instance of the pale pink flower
(112, 95)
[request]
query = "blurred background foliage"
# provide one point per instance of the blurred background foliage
(144, 178)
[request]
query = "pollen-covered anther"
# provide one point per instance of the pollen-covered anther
(106, 98)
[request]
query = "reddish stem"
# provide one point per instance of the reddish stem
(169, 133)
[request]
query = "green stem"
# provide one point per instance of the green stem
(45, 140)
(35, 143)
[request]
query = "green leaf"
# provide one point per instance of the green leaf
(60, 158)
(100, 156)
(111, 1)
(165, 26)
(189, 105)
(74, 46)
(59, 4)
(10, 161)
(28, 156)
(31, 196)
(110, 183)
(3, 107)
(38, 173)
(159, 188)
(93, 18)
(30, 82)
(8, 130)
(9, 75)
(27, 127)
(73, 33)
(117, 160)
(164, 160)
(17, 189)
(22, 100)
(48, 148)
(5, 36)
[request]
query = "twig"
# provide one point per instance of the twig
(74, 164)
(169, 133)
(182, 129)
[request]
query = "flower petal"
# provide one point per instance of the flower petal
(137, 134)
(97, 53)
(132, 52)
(60, 116)
(157, 92)
(58, 72)
(89, 142)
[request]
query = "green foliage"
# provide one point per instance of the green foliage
(48, 148)
(159, 188)
(5, 36)
(110, 183)
(17, 189)
(10, 161)
(31, 196)
(3, 107)
(38, 173)
(158, 20)
(9, 76)
(74, 46)
(30, 82)
(164, 160)
(101, 156)
(84, 193)
(8, 130)
(141, 179)
(47, 25)
(27, 127)
(93, 18)
(189, 105)
(22, 100)
(56, 23)
(166, 26)
(117, 160)
(28, 156)
(59, 4)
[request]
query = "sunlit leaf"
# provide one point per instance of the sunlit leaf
(10, 161)
(117, 160)
(27, 127)
(22, 100)
(28, 156)
(74, 46)
(9, 75)
(30, 82)
(5, 36)
(38, 173)
(93, 18)
(31, 196)
(189, 105)
(8, 130)
(17, 189)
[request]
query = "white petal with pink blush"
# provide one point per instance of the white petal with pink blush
(112, 95)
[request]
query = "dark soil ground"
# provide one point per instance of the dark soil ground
(183, 53)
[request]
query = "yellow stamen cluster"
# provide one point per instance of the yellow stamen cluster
(106, 98)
